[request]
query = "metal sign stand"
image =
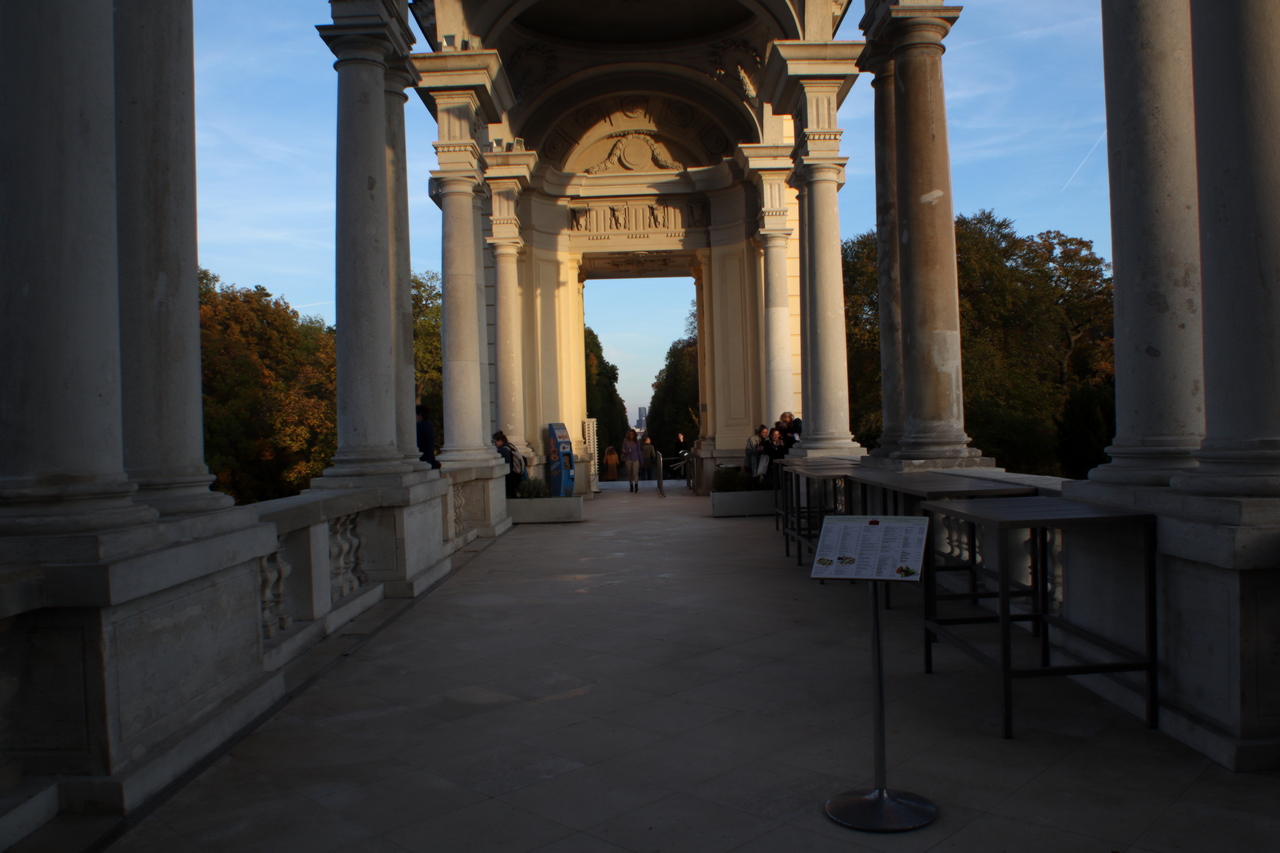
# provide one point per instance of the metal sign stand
(881, 809)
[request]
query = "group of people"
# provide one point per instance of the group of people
(639, 456)
(769, 443)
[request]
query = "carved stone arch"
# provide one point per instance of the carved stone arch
(690, 111)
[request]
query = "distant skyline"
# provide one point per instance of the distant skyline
(1026, 119)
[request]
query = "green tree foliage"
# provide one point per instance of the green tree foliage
(427, 347)
(674, 406)
(1036, 338)
(270, 402)
(603, 401)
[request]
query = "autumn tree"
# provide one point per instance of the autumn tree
(604, 403)
(1036, 341)
(270, 402)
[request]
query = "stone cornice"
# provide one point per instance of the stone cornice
(477, 71)
(379, 19)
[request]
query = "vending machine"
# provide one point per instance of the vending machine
(559, 461)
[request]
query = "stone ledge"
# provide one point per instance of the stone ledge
(135, 577)
(23, 811)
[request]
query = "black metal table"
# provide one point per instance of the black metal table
(1037, 515)
(812, 489)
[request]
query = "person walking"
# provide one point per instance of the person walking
(632, 455)
(648, 458)
(610, 464)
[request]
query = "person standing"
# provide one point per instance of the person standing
(755, 462)
(631, 454)
(515, 462)
(426, 435)
(610, 464)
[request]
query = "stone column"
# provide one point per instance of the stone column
(397, 79)
(769, 166)
(478, 213)
(507, 173)
(367, 435)
(62, 463)
(1237, 109)
(826, 420)
(806, 302)
(1156, 241)
(779, 386)
(163, 426)
(933, 394)
(889, 291)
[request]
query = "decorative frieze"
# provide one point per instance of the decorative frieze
(636, 218)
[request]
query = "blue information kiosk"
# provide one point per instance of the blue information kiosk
(560, 461)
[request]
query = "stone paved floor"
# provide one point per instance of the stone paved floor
(655, 680)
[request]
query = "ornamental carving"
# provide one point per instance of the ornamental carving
(531, 67)
(633, 150)
(636, 218)
(736, 64)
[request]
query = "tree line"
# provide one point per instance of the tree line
(1037, 349)
(269, 379)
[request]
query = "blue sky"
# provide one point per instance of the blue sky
(1025, 114)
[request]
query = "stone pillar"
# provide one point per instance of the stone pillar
(507, 173)
(889, 291)
(367, 435)
(826, 420)
(779, 386)
(396, 80)
(1156, 241)
(1237, 108)
(770, 166)
(163, 426)
(806, 303)
(933, 394)
(62, 464)
(478, 213)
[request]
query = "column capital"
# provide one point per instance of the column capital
(479, 72)
(768, 166)
(400, 76)
(810, 79)
(882, 14)
(921, 32)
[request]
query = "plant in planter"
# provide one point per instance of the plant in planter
(534, 504)
(732, 495)
(533, 487)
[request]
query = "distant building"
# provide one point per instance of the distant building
(640, 421)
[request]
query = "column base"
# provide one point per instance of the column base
(1144, 466)
(457, 458)
(181, 495)
(364, 462)
(1228, 472)
(32, 509)
(890, 463)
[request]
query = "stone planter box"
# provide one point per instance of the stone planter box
(544, 510)
(729, 504)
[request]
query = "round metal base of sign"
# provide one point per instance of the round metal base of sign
(881, 810)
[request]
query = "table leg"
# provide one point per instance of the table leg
(996, 553)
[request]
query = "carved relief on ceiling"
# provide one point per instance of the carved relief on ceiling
(530, 68)
(736, 64)
(635, 132)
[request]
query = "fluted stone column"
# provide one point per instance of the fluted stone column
(162, 412)
(61, 458)
(933, 394)
(806, 303)
(367, 435)
(487, 408)
(826, 420)
(397, 79)
(1237, 111)
(1156, 241)
(889, 290)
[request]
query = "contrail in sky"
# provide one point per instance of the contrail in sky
(1082, 162)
